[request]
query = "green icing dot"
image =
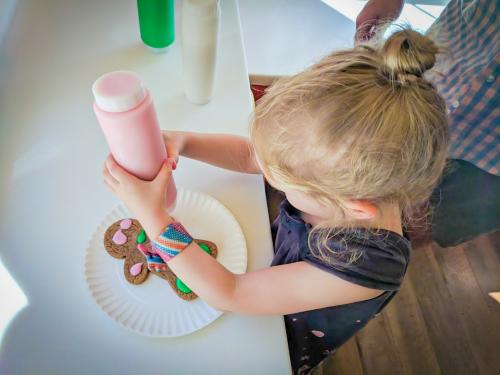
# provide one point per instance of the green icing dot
(205, 248)
(141, 237)
(182, 287)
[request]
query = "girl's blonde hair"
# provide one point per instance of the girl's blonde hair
(360, 124)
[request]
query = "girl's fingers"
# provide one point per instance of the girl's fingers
(116, 171)
(109, 179)
(109, 186)
(163, 176)
(172, 153)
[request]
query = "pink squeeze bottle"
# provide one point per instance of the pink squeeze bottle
(125, 111)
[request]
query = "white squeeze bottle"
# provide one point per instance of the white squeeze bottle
(199, 33)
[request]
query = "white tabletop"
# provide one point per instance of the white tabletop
(52, 196)
(284, 37)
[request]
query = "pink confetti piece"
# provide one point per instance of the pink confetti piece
(136, 269)
(125, 223)
(119, 238)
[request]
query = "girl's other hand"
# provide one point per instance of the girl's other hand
(146, 200)
(175, 143)
(374, 13)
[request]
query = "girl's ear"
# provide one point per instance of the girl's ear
(361, 210)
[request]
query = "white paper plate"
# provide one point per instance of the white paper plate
(152, 308)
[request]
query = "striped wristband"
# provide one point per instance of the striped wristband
(172, 241)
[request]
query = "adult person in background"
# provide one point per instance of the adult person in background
(466, 74)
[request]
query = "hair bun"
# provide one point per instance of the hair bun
(408, 52)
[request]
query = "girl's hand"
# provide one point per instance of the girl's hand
(146, 200)
(175, 142)
(374, 13)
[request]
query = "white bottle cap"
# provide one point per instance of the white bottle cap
(118, 91)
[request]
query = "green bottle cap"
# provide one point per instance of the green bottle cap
(156, 22)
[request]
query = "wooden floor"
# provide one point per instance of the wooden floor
(441, 322)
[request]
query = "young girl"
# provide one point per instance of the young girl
(353, 143)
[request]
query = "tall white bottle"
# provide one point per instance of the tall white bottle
(200, 34)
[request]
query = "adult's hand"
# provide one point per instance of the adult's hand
(374, 13)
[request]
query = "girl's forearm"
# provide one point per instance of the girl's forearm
(203, 274)
(198, 269)
(222, 150)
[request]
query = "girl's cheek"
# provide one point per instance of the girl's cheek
(305, 204)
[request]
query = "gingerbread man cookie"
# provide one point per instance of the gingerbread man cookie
(126, 239)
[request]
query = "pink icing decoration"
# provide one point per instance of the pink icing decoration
(119, 238)
(143, 249)
(125, 224)
(318, 333)
(136, 269)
